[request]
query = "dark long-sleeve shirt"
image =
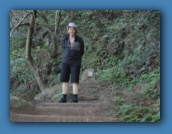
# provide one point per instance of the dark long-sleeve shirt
(72, 54)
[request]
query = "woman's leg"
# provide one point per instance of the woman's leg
(75, 92)
(75, 88)
(64, 92)
(75, 71)
(64, 78)
(64, 87)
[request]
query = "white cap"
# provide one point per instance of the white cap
(71, 24)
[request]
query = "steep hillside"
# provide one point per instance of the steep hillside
(123, 47)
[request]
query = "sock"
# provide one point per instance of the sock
(75, 97)
(64, 96)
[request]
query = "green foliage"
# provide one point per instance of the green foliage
(131, 113)
(19, 91)
(154, 75)
(112, 74)
(18, 42)
(20, 71)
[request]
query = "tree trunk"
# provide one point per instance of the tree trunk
(28, 53)
(71, 16)
(53, 45)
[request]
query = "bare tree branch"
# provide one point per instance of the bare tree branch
(43, 17)
(57, 21)
(18, 24)
(11, 23)
(142, 17)
(13, 15)
(46, 21)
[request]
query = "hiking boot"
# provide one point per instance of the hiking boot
(62, 100)
(74, 101)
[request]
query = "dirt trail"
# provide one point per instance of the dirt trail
(95, 109)
(66, 112)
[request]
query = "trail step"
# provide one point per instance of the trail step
(62, 112)
(45, 118)
(68, 104)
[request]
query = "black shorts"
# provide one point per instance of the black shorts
(68, 70)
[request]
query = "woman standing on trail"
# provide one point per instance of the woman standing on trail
(73, 50)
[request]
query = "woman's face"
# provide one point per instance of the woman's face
(71, 30)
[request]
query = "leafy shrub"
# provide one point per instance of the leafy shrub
(130, 113)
